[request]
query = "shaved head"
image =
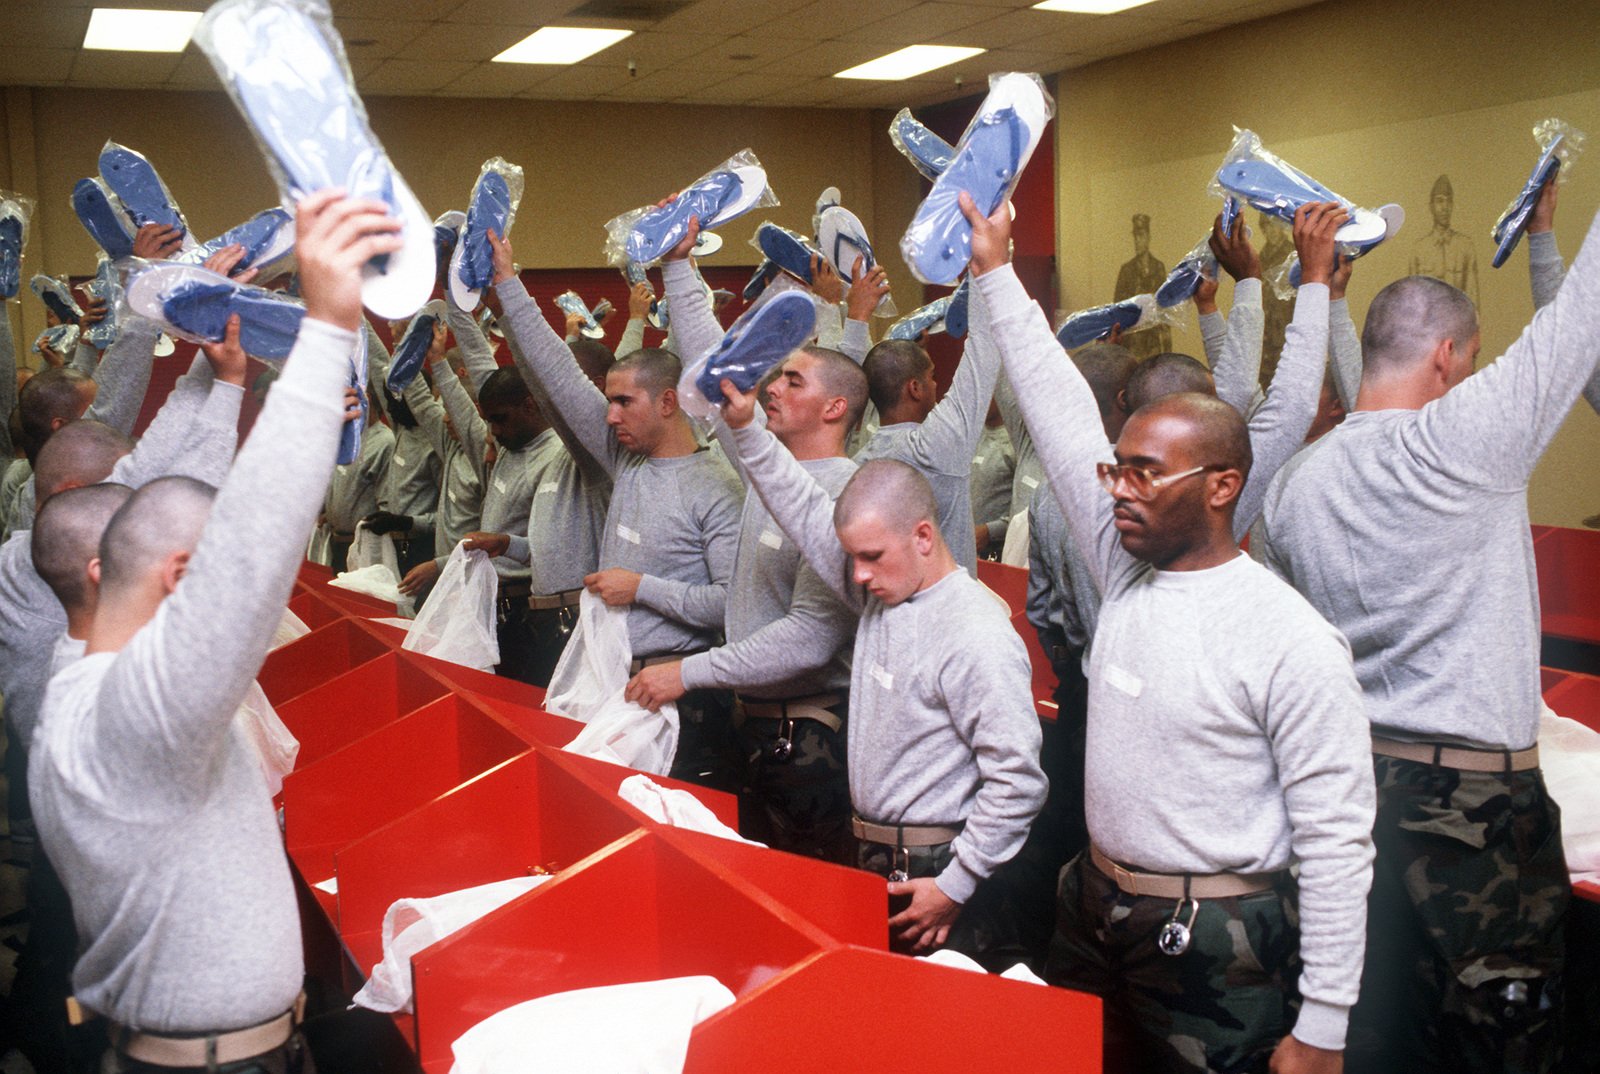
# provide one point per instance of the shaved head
(890, 491)
(890, 366)
(80, 453)
(161, 519)
(1167, 374)
(53, 396)
(1106, 367)
(1410, 318)
(594, 358)
(654, 370)
(503, 387)
(66, 536)
(841, 377)
(1216, 433)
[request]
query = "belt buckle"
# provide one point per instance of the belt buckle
(1126, 880)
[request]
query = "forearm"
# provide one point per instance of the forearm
(377, 362)
(797, 646)
(830, 325)
(693, 322)
(702, 606)
(469, 424)
(1344, 351)
(162, 444)
(950, 434)
(1237, 366)
(801, 507)
(84, 357)
(124, 375)
(856, 341)
(547, 364)
(1545, 267)
(632, 337)
(476, 353)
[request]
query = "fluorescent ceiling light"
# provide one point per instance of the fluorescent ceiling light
(560, 44)
(909, 62)
(1090, 7)
(128, 30)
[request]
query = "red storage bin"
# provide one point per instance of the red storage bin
(890, 1010)
(1577, 697)
(327, 652)
(335, 800)
(1568, 562)
(312, 610)
(641, 910)
(343, 709)
(1010, 582)
(607, 777)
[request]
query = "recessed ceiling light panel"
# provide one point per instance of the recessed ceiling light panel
(1090, 7)
(909, 62)
(561, 44)
(129, 30)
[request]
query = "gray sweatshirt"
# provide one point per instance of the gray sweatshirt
(674, 521)
(8, 386)
(460, 503)
(942, 724)
(993, 464)
(354, 492)
(193, 435)
(1408, 530)
(1027, 474)
(1060, 598)
(149, 797)
(942, 446)
(1233, 346)
(1239, 747)
(411, 484)
(1546, 272)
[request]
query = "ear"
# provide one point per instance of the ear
(1223, 487)
(668, 402)
(1121, 402)
(172, 571)
(913, 389)
(93, 571)
(835, 409)
(1443, 360)
(923, 535)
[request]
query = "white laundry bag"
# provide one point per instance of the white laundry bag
(411, 925)
(957, 961)
(290, 628)
(1569, 756)
(588, 684)
(374, 581)
(319, 549)
(367, 548)
(677, 808)
(274, 743)
(1014, 553)
(457, 623)
(640, 1028)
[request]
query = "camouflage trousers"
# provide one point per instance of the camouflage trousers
(1465, 939)
(918, 862)
(1222, 1006)
(797, 800)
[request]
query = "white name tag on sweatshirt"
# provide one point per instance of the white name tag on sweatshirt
(500, 486)
(1126, 681)
(343, 469)
(882, 676)
(626, 534)
(978, 460)
(1031, 482)
(771, 540)
(398, 461)
(546, 489)
(453, 497)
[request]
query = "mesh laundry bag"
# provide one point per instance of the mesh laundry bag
(275, 745)
(677, 808)
(411, 925)
(1569, 756)
(458, 621)
(587, 686)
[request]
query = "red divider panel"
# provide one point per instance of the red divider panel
(1568, 562)
(641, 910)
(897, 1012)
(1577, 697)
(1010, 582)
(330, 650)
(341, 710)
(312, 610)
(607, 777)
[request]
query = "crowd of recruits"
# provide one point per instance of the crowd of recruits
(1222, 728)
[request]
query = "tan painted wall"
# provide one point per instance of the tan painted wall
(584, 163)
(1374, 98)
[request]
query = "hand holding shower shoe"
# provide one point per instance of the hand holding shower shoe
(730, 190)
(756, 342)
(194, 303)
(495, 197)
(56, 296)
(283, 64)
(446, 232)
(989, 159)
(13, 236)
(843, 240)
(787, 250)
(267, 237)
(927, 152)
(412, 350)
(930, 318)
(1276, 187)
(955, 318)
(570, 302)
(1097, 322)
(133, 179)
(1513, 223)
(107, 287)
(103, 217)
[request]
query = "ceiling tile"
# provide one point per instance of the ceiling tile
(475, 44)
(652, 52)
(44, 25)
(194, 71)
(665, 85)
(829, 58)
(379, 38)
(410, 10)
(102, 68)
(497, 80)
(412, 76)
(717, 17)
(24, 66)
(813, 91)
(580, 78)
(921, 24)
(823, 20)
(1003, 29)
(1093, 33)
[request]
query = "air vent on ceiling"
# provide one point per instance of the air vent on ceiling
(627, 10)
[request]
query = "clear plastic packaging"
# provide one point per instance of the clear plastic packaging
(988, 162)
(268, 241)
(16, 215)
(140, 190)
(103, 216)
(757, 341)
(927, 152)
(106, 287)
(60, 338)
(929, 318)
(355, 429)
(412, 350)
(496, 193)
(1560, 145)
(1097, 322)
(1199, 263)
(283, 64)
(194, 303)
(789, 250)
(570, 302)
(1271, 184)
(56, 296)
(842, 238)
(729, 190)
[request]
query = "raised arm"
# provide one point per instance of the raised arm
(1492, 428)
(1236, 366)
(428, 411)
(1546, 270)
(639, 300)
(1057, 404)
(124, 375)
(469, 424)
(948, 437)
(693, 321)
(1344, 342)
(8, 380)
(476, 353)
(172, 690)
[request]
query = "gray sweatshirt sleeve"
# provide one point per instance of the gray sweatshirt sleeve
(1492, 428)
(802, 642)
(1213, 337)
(193, 434)
(1021, 442)
(84, 357)
(830, 324)
(476, 353)
(469, 424)
(1236, 366)
(1547, 271)
(429, 413)
(1278, 427)
(8, 381)
(1344, 351)
(856, 341)
(632, 337)
(1065, 421)
(703, 606)
(173, 689)
(377, 362)
(124, 375)
(801, 507)
(693, 322)
(550, 365)
(946, 440)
